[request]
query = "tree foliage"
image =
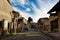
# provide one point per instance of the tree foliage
(30, 19)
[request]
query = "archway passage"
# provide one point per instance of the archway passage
(1, 27)
(0, 24)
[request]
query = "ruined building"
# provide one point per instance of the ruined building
(22, 23)
(44, 24)
(10, 21)
(5, 15)
(13, 24)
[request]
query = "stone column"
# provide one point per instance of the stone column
(15, 25)
(5, 25)
(11, 27)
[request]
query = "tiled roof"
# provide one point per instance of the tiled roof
(55, 8)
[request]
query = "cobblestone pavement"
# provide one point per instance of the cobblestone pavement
(28, 36)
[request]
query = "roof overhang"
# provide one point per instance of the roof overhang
(55, 8)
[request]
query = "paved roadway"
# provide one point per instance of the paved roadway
(28, 36)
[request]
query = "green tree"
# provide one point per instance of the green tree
(30, 19)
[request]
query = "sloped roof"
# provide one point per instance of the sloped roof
(55, 8)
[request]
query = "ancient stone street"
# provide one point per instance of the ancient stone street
(28, 36)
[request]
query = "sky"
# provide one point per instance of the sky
(33, 8)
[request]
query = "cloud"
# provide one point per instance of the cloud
(22, 1)
(39, 13)
(45, 6)
(27, 9)
(25, 15)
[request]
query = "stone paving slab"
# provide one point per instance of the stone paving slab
(38, 36)
(54, 35)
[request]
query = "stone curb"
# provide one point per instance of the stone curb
(51, 36)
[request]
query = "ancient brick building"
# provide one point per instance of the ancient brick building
(18, 22)
(5, 15)
(55, 18)
(9, 19)
(22, 22)
(44, 24)
(14, 23)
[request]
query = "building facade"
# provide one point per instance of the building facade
(22, 24)
(5, 15)
(44, 24)
(55, 18)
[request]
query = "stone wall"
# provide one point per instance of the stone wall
(59, 21)
(5, 10)
(5, 15)
(52, 18)
(46, 26)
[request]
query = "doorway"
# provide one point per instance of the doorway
(54, 25)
